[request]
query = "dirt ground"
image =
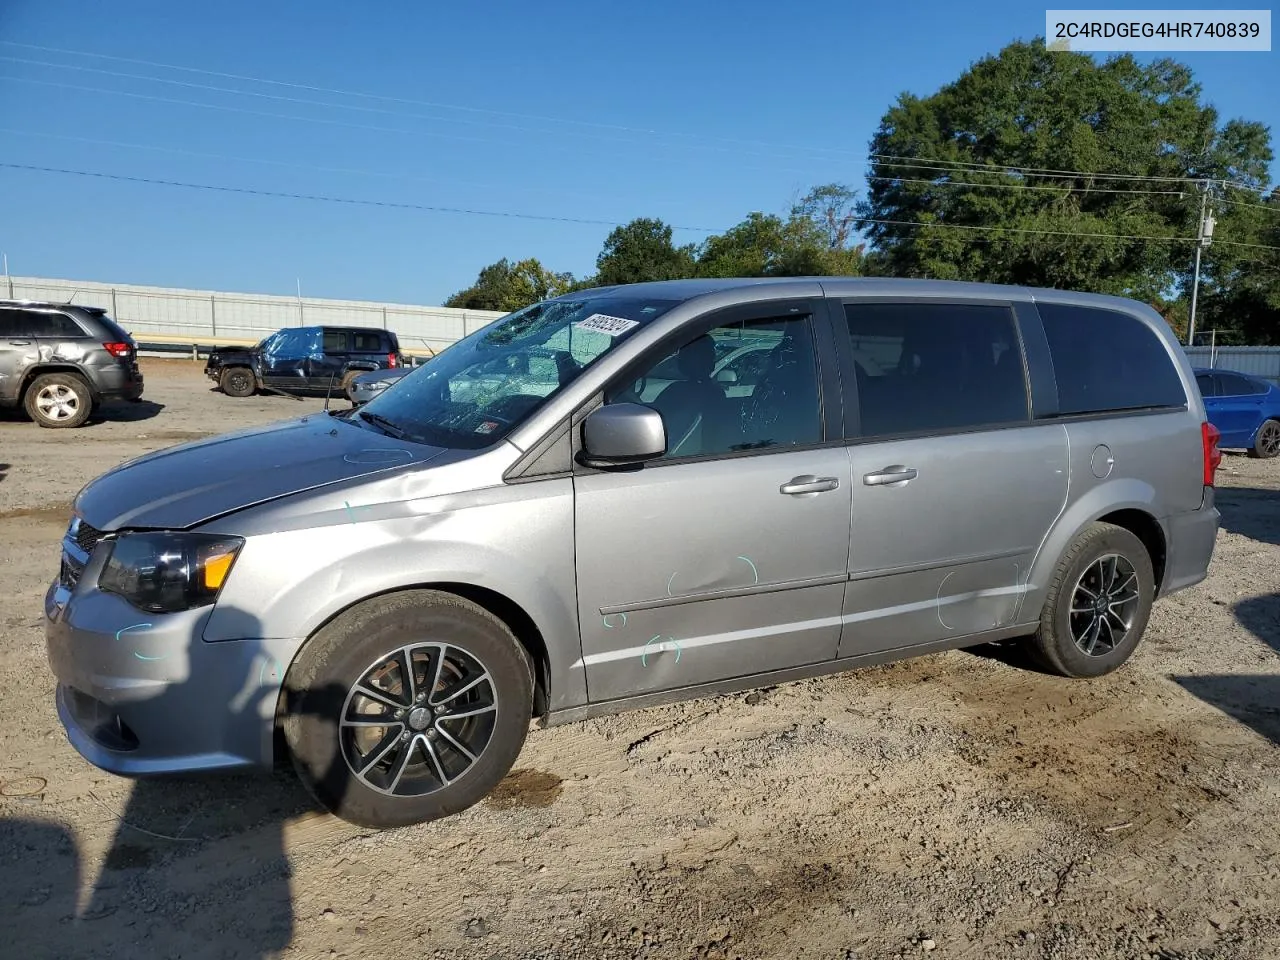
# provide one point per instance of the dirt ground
(957, 805)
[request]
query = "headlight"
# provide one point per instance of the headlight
(168, 572)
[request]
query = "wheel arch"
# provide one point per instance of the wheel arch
(31, 373)
(1127, 503)
(514, 616)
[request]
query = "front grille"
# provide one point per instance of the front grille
(87, 537)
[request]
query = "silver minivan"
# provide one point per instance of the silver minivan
(674, 490)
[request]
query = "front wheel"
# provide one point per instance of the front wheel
(1267, 443)
(407, 708)
(1098, 603)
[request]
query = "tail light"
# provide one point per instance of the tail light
(1209, 436)
(392, 360)
(121, 351)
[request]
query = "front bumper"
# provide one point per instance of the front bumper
(144, 694)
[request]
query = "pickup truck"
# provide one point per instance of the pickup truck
(304, 360)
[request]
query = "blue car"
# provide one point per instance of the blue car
(1246, 410)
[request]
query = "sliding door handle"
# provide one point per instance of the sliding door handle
(890, 475)
(808, 484)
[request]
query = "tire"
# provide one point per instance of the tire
(238, 382)
(1067, 643)
(59, 400)
(1267, 442)
(368, 642)
(345, 385)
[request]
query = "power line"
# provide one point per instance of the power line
(608, 223)
(1056, 233)
(1026, 230)
(977, 166)
(1029, 186)
(1256, 205)
(421, 103)
(926, 163)
(395, 204)
(557, 148)
(293, 166)
(280, 98)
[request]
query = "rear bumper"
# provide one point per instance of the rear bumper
(119, 383)
(1192, 537)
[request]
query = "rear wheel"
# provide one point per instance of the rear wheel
(407, 708)
(59, 400)
(1098, 603)
(1267, 443)
(238, 382)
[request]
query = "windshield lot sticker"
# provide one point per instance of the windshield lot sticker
(603, 323)
(487, 427)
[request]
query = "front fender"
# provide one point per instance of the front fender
(295, 581)
(1105, 498)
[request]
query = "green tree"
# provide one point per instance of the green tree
(961, 158)
(827, 215)
(640, 251)
(509, 286)
(816, 239)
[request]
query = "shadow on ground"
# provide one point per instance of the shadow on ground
(196, 866)
(1252, 699)
(1250, 512)
(4, 470)
(131, 412)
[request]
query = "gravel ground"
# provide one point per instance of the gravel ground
(957, 805)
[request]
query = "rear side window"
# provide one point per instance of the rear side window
(367, 342)
(1205, 382)
(1105, 360)
(1231, 385)
(55, 326)
(335, 341)
(936, 367)
(15, 323)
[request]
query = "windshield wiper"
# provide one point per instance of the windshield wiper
(388, 426)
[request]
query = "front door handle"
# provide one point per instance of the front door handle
(890, 475)
(19, 343)
(808, 484)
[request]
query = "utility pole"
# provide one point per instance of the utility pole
(1204, 237)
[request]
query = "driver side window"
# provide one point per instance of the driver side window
(742, 386)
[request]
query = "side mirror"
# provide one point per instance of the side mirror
(727, 376)
(619, 434)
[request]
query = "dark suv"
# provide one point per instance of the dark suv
(60, 361)
(304, 360)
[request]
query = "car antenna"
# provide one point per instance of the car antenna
(73, 296)
(329, 392)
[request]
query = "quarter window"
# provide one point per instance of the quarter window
(367, 343)
(1205, 382)
(1230, 385)
(936, 367)
(1105, 360)
(55, 325)
(744, 386)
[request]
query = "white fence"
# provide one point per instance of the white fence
(204, 317)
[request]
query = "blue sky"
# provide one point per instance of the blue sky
(587, 111)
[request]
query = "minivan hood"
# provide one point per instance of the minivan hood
(192, 483)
